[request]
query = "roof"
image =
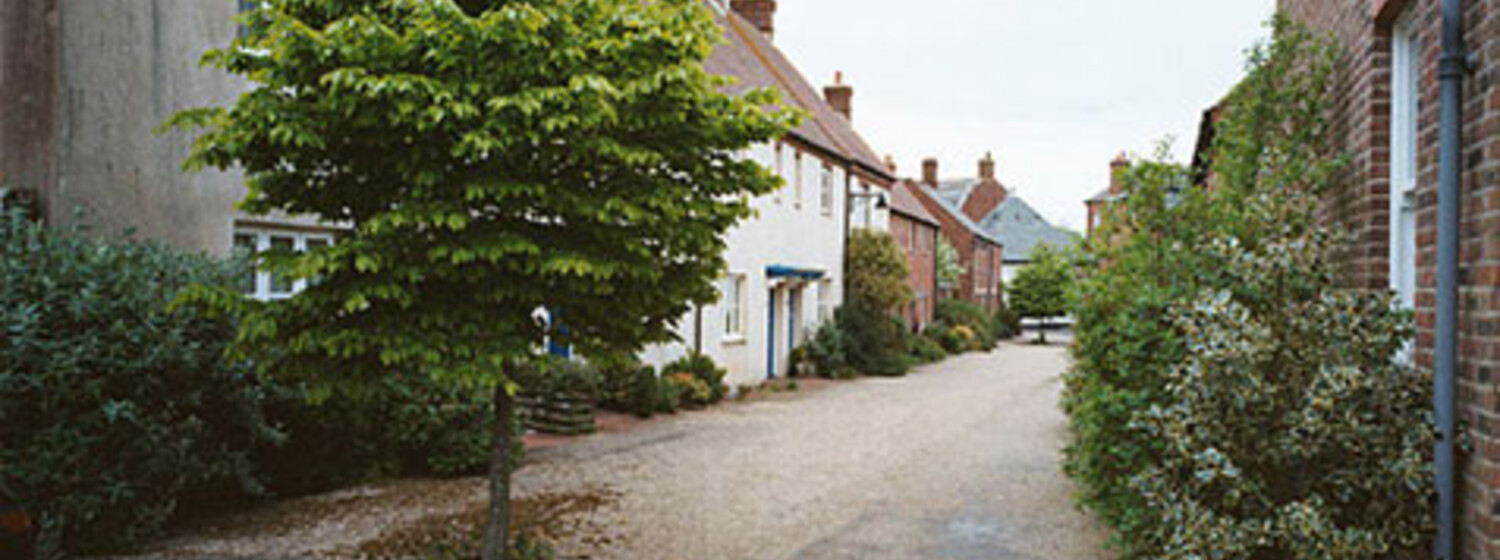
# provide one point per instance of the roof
(1021, 228)
(749, 57)
(963, 219)
(905, 202)
(1104, 196)
(955, 191)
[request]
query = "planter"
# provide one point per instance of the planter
(566, 414)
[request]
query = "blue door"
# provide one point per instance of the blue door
(771, 334)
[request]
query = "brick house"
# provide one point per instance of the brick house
(916, 230)
(999, 212)
(980, 254)
(1386, 119)
(1110, 197)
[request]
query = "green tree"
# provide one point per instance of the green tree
(1041, 289)
(950, 272)
(877, 270)
(490, 158)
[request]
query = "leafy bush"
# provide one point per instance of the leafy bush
(946, 338)
(924, 349)
(627, 386)
(1292, 425)
(877, 270)
(826, 351)
(1228, 399)
(874, 342)
(684, 391)
(702, 368)
(979, 327)
(1007, 323)
(113, 408)
(1042, 289)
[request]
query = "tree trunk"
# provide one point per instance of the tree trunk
(1042, 330)
(497, 529)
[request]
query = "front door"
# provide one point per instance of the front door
(771, 333)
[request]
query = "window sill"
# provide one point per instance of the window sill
(734, 340)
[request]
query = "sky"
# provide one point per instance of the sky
(1054, 88)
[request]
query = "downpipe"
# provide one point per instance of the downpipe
(1454, 64)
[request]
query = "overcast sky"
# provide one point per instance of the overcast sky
(1055, 88)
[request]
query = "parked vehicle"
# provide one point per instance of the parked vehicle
(17, 529)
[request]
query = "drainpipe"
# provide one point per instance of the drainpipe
(1453, 66)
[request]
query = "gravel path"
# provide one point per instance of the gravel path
(957, 461)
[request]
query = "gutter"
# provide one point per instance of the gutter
(1453, 65)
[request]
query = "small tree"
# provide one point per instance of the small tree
(1041, 289)
(950, 272)
(877, 270)
(490, 158)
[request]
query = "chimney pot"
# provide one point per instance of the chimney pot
(1117, 169)
(987, 167)
(840, 97)
(930, 172)
(760, 13)
(890, 164)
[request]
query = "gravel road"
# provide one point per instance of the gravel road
(958, 461)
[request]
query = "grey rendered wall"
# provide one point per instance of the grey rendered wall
(127, 65)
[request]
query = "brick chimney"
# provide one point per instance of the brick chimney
(930, 172)
(840, 96)
(987, 167)
(760, 13)
(1117, 170)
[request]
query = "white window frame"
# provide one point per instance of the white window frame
(1406, 69)
(826, 301)
(733, 305)
(797, 163)
(263, 237)
(780, 169)
(825, 193)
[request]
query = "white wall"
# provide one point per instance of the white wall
(786, 231)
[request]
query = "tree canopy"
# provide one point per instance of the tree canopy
(484, 160)
(1041, 289)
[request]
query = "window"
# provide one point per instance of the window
(244, 7)
(825, 192)
(825, 301)
(797, 161)
(1405, 74)
(780, 167)
(264, 285)
(734, 306)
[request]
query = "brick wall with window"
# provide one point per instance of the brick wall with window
(1386, 119)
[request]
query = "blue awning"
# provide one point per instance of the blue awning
(781, 271)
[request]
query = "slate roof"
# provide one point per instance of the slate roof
(756, 63)
(1014, 223)
(904, 201)
(963, 219)
(1021, 228)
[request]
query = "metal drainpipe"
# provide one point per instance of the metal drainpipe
(1453, 66)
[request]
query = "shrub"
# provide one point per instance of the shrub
(1228, 399)
(924, 349)
(705, 371)
(978, 327)
(877, 270)
(874, 342)
(685, 391)
(951, 341)
(1007, 323)
(113, 407)
(826, 351)
(627, 385)
(1292, 427)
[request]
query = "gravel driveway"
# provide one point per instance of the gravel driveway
(957, 461)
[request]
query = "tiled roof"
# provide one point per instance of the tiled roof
(904, 201)
(963, 219)
(1021, 228)
(756, 63)
(1014, 223)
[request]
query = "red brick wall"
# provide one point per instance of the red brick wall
(987, 195)
(1361, 117)
(918, 241)
(957, 235)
